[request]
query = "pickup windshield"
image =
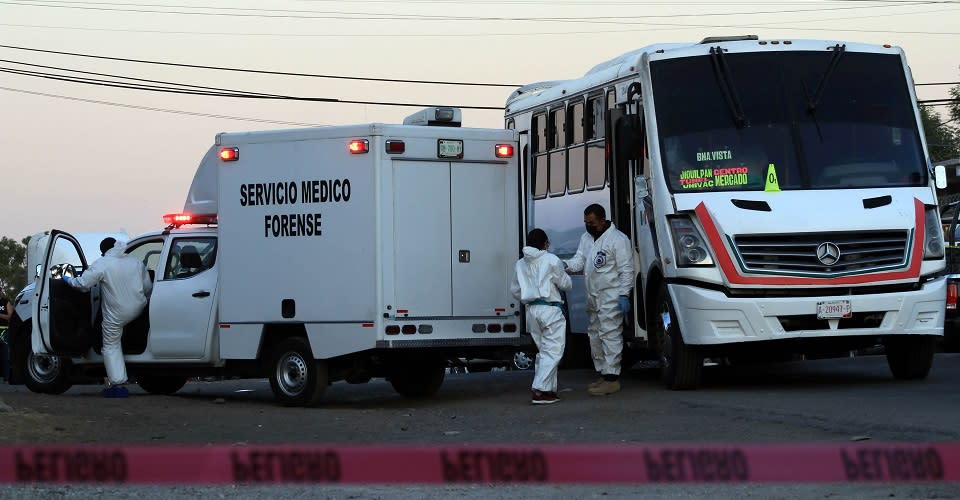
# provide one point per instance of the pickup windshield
(770, 129)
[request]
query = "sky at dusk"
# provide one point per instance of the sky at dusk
(92, 157)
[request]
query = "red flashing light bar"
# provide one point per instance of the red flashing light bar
(504, 150)
(181, 219)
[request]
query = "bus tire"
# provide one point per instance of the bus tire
(419, 379)
(163, 385)
(910, 356)
(681, 364)
(296, 378)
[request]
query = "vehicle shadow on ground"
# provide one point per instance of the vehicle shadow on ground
(870, 370)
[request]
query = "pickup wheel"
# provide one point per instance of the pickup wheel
(910, 356)
(46, 374)
(295, 377)
(161, 384)
(418, 379)
(681, 364)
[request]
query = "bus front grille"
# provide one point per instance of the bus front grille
(823, 254)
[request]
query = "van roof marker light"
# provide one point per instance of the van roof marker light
(229, 154)
(358, 146)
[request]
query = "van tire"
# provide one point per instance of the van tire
(296, 378)
(910, 356)
(163, 385)
(418, 379)
(681, 364)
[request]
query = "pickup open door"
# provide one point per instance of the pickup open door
(63, 316)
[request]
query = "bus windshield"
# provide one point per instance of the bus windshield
(786, 121)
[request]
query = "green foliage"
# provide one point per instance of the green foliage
(943, 139)
(13, 266)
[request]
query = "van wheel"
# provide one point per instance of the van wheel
(160, 384)
(295, 377)
(910, 356)
(418, 378)
(46, 374)
(681, 364)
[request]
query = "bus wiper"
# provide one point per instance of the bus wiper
(812, 102)
(729, 91)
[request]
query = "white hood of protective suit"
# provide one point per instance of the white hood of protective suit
(539, 275)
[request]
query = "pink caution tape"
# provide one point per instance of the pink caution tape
(671, 463)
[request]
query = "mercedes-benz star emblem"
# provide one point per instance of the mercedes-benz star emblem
(828, 253)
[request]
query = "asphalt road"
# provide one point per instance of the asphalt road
(824, 401)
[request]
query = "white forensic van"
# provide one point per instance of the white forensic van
(313, 255)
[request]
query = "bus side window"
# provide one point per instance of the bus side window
(539, 177)
(558, 153)
(594, 118)
(576, 154)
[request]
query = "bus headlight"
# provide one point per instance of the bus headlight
(688, 244)
(933, 232)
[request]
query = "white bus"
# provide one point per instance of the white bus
(778, 194)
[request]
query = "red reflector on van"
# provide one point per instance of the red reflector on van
(395, 147)
(229, 154)
(509, 328)
(408, 329)
(392, 329)
(358, 146)
(493, 328)
(504, 150)
(952, 292)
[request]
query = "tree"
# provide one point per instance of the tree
(943, 136)
(13, 266)
(943, 139)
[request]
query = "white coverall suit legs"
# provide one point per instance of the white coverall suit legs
(605, 331)
(124, 288)
(547, 326)
(608, 271)
(538, 279)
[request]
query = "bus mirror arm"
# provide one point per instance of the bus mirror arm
(633, 90)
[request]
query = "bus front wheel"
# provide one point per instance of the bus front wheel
(681, 364)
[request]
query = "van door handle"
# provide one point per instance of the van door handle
(201, 293)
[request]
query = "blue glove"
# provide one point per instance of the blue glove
(624, 303)
(67, 279)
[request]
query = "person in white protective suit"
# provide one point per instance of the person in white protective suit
(605, 257)
(537, 282)
(124, 288)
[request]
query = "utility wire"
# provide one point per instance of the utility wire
(268, 72)
(263, 72)
(169, 84)
(162, 110)
(211, 93)
(367, 16)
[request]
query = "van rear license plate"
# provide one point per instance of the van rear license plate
(449, 148)
(832, 309)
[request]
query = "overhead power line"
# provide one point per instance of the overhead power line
(301, 14)
(260, 71)
(176, 88)
(162, 110)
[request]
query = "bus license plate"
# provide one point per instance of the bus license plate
(832, 309)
